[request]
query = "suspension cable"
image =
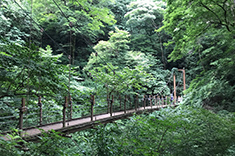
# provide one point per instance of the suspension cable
(40, 27)
(30, 49)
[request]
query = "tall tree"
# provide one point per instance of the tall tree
(130, 68)
(76, 25)
(205, 28)
(143, 18)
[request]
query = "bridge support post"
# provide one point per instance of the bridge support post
(144, 102)
(166, 100)
(150, 100)
(71, 107)
(183, 70)
(120, 102)
(125, 104)
(40, 110)
(158, 100)
(174, 89)
(108, 103)
(111, 106)
(136, 102)
(22, 110)
(92, 106)
(64, 111)
(155, 101)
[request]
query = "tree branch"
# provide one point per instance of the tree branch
(164, 133)
(225, 14)
(220, 21)
(211, 12)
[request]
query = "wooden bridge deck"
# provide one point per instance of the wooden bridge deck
(79, 124)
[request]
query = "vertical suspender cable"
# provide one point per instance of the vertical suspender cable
(70, 62)
(30, 47)
(96, 66)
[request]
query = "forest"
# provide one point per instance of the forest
(54, 48)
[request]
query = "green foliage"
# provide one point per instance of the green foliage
(130, 61)
(29, 72)
(112, 51)
(187, 20)
(77, 25)
(50, 144)
(122, 81)
(202, 31)
(142, 19)
(119, 8)
(179, 131)
(14, 24)
(129, 68)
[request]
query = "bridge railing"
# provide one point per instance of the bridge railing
(9, 113)
(45, 111)
(9, 120)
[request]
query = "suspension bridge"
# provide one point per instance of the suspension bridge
(121, 109)
(70, 116)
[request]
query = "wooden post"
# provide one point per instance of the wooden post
(158, 100)
(111, 107)
(108, 100)
(22, 110)
(184, 79)
(71, 107)
(136, 102)
(92, 106)
(144, 102)
(40, 110)
(183, 70)
(166, 100)
(107, 97)
(174, 89)
(64, 110)
(120, 102)
(150, 100)
(125, 104)
(155, 101)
